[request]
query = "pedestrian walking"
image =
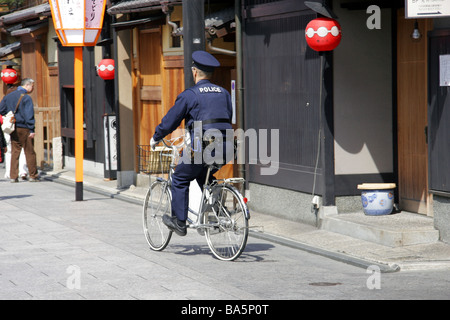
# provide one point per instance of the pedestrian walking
(23, 135)
(6, 157)
(205, 102)
(3, 147)
(23, 168)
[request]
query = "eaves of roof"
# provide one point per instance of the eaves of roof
(26, 14)
(27, 30)
(128, 6)
(9, 48)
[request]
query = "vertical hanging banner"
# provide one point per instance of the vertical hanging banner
(110, 132)
(427, 8)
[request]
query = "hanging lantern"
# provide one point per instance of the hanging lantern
(323, 34)
(105, 69)
(78, 22)
(9, 75)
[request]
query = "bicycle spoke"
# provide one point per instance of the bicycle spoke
(229, 242)
(156, 204)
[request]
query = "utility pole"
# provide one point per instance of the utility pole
(193, 34)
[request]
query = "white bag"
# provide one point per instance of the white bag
(8, 123)
(9, 120)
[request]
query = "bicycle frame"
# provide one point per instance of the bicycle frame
(222, 215)
(205, 189)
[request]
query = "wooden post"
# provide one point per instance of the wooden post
(327, 125)
(79, 143)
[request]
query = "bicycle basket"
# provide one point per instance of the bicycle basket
(154, 162)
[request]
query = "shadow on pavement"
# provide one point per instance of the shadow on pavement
(15, 196)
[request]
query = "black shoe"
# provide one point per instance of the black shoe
(173, 224)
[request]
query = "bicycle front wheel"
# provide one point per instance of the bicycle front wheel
(228, 223)
(157, 203)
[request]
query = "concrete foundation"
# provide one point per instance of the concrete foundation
(441, 211)
(287, 204)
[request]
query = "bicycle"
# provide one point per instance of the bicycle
(222, 217)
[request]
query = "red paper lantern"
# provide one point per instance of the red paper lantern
(9, 75)
(323, 34)
(105, 69)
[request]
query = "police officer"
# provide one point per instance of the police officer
(205, 102)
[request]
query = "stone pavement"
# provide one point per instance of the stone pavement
(355, 239)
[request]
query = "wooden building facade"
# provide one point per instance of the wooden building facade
(383, 108)
(151, 58)
(370, 111)
(35, 58)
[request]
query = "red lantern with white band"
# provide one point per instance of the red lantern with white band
(105, 69)
(323, 34)
(9, 75)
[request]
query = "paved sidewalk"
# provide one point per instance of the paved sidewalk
(336, 246)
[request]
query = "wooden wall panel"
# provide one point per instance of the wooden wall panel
(45, 95)
(53, 87)
(173, 81)
(28, 68)
(150, 80)
(158, 91)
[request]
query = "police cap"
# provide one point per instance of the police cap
(204, 61)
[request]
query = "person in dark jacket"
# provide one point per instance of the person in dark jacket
(23, 135)
(205, 102)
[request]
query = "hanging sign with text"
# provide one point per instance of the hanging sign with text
(427, 8)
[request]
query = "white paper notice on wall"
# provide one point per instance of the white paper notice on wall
(444, 70)
(427, 8)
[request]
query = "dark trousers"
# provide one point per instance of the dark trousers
(20, 139)
(187, 172)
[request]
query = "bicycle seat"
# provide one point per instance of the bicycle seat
(213, 166)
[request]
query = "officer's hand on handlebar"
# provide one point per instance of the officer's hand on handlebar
(153, 143)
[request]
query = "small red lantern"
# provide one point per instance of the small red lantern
(105, 69)
(9, 75)
(323, 34)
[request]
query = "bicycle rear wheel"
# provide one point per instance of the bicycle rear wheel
(228, 220)
(157, 203)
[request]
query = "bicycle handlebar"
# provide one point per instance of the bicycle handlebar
(167, 145)
(170, 143)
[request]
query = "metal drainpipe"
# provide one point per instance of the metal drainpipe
(166, 10)
(172, 24)
(239, 84)
(220, 50)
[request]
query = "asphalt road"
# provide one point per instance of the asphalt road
(55, 248)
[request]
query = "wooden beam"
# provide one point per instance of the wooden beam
(275, 8)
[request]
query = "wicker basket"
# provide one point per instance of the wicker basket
(154, 162)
